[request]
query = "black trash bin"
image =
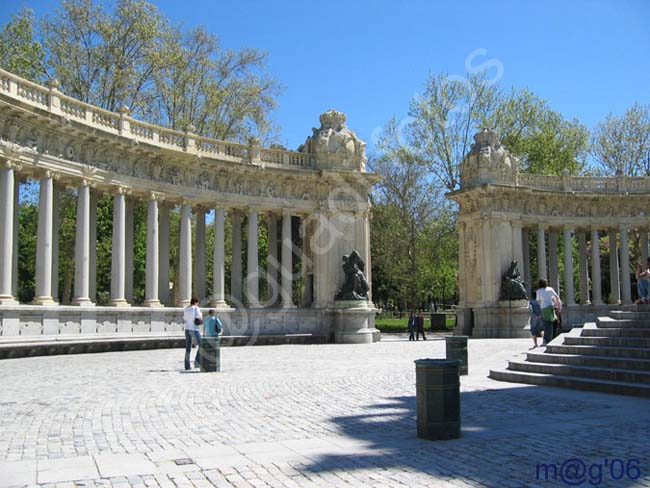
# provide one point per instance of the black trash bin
(457, 349)
(437, 388)
(210, 354)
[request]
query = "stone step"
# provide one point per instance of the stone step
(595, 361)
(611, 332)
(619, 388)
(609, 341)
(620, 352)
(608, 322)
(22, 346)
(610, 374)
(642, 312)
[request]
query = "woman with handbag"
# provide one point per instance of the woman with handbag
(547, 298)
(193, 319)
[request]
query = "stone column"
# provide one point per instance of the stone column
(597, 297)
(14, 256)
(287, 261)
(252, 273)
(541, 253)
(118, 258)
(584, 270)
(219, 272)
(153, 256)
(553, 273)
(56, 193)
(569, 290)
(626, 286)
(184, 287)
(163, 268)
(128, 248)
(236, 267)
(272, 264)
(6, 232)
(644, 245)
(82, 248)
(44, 244)
(614, 271)
(199, 257)
(525, 240)
(92, 273)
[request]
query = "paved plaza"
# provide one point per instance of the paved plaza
(324, 415)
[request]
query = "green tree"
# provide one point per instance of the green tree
(20, 52)
(543, 139)
(409, 198)
(621, 145)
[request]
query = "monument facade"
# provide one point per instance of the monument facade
(62, 142)
(503, 212)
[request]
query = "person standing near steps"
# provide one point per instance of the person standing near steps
(193, 319)
(548, 299)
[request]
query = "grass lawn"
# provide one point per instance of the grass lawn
(400, 325)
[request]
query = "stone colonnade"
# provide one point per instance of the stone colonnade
(62, 142)
(503, 213)
(191, 279)
(590, 278)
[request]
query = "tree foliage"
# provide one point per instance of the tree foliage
(621, 145)
(20, 52)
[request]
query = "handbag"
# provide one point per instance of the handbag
(198, 321)
(548, 314)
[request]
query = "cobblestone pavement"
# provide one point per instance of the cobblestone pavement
(287, 416)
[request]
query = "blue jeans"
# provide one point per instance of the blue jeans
(548, 332)
(643, 286)
(192, 336)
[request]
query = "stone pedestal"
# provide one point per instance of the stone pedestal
(354, 322)
(505, 319)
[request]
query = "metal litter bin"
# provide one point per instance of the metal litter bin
(457, 349)
(438, 399)
(210, 354)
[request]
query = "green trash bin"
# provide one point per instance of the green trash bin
(438, 399)
(457, 349)
(210, 354)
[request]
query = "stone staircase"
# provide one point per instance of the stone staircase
(611, 355)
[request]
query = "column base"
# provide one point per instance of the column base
(119, 302)
(82, 302)
(152, 303)
(183, 303)
(8, 300)
(219, 304)
(44, 301)
(288, 305)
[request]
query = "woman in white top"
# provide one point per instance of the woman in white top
(193, 319)
(548, 299)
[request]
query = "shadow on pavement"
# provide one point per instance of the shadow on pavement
(522, 436)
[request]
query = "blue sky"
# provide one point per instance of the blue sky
(368, 58)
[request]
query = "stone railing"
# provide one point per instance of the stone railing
(611, 184)
(52, 100)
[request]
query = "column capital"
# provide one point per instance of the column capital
(11, 164)
(121, 190)
(157, 196)
(47, 173)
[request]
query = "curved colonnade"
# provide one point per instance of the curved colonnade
(62, 142)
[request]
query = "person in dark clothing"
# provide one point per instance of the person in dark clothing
(412, 326)
(420, 323)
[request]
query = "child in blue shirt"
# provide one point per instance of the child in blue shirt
(212, 325)
(536, 324)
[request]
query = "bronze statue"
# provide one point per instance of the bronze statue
(355, 286)
(512, 286)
